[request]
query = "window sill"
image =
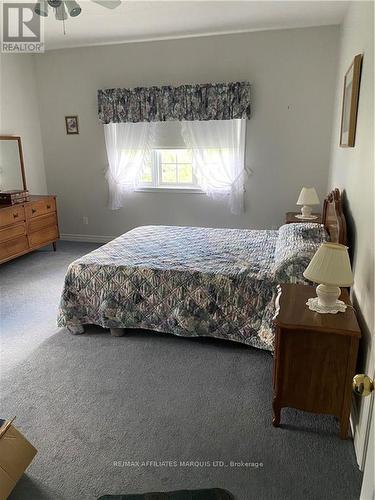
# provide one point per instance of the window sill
(169, 190)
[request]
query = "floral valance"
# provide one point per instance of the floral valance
(209, 101)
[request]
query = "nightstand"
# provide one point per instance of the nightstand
(291, 217)
(315, 356)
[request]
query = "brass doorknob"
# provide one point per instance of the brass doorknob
(363, 385)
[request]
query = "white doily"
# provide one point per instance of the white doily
(314, 305)
(306, 217)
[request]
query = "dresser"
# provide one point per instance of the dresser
(27, 226)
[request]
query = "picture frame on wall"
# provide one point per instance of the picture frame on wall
(71, 125)
(350, 103)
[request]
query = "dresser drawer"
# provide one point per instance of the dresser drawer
(41, 207)
(37, 223)
(12, 232)
(13, 247)
(11, 215)
(44, 235)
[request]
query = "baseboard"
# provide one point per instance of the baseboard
(88, 238)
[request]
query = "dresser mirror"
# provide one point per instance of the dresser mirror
(12, 170)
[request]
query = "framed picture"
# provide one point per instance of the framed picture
(71, 124)
(350, 103)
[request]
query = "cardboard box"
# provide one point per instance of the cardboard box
(16, 454)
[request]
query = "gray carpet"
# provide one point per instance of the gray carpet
(90, 403)
(30, 289)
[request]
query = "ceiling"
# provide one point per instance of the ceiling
(144, 20)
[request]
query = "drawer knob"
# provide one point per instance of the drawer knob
(33, 210)
(48, 206)
(15, 215)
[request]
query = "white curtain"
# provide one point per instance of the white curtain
(128, 147)
(219, 158)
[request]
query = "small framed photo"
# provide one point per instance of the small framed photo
(350, 103)
(71, 124)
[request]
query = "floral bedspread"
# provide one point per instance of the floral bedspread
(185, 281)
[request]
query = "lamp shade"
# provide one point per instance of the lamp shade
(308, 196)
(330, 266)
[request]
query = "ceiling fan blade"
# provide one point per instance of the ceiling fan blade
(110, 4)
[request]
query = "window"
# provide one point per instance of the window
(169, 169)
(192, 156)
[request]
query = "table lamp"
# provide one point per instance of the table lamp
(307, 197)
(330, 267)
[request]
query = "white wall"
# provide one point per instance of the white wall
(292, 74)
(352, 169)
(19, 114)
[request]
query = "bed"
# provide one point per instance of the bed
(192, 281)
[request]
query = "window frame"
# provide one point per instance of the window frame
(156, 183)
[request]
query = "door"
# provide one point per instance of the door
(368, 484)
(361, 409)
(364, 386)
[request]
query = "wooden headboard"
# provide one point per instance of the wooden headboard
(333, 217)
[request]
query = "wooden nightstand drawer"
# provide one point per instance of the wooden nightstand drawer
(318, 388)
(315, 356)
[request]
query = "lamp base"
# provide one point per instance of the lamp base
(306, 211)
(327, 300)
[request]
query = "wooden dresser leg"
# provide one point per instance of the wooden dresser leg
(54, 246)
(276, 413)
